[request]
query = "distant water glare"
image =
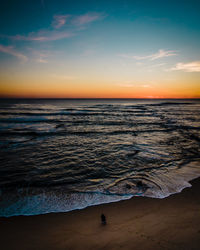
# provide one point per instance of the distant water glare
(61, 155)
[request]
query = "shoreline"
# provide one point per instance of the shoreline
(138, 223)
(45, 204)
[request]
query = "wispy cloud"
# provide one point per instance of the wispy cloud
(86, 18)
(187, 67)
(11, 51)
(44, 35)
(157, 65)
(42, 60)
(131, 84)
(146, 86)
(160, 54)
(38, 55)
(62, 26)
(59, 20)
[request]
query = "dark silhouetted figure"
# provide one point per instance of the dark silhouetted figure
(103, 219)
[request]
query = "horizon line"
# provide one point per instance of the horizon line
(98, 98)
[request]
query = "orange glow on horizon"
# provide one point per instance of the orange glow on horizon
(51, 88)
(48, 93)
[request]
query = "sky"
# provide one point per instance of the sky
(100, 49)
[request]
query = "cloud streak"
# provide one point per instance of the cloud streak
(39, 56)
(41, 60)
(86, 18)
(160, 54)
(11, 51)
(131, 84)
(59, 21)
(60, 29)
(187, 67)
(44, 35)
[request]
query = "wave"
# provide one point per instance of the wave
(31, 201)
(170, 103)
(158, 183)
(65, 132)
(49, 201)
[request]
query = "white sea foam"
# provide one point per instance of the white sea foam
(54, 203)
(50, 201)
(174, 181)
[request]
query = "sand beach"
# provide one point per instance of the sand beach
(139, 223)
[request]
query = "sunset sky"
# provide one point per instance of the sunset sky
(100, 49)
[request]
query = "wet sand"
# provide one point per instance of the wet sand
(139, 223)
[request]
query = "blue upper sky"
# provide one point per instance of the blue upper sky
(118, 40)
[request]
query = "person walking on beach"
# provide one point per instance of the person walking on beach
(103, 219)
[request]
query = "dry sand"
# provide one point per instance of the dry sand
(139, 223)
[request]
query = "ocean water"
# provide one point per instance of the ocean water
(61, 155)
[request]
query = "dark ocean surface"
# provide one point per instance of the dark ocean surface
(60, 155)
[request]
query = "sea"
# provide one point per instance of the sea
(58, 155)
